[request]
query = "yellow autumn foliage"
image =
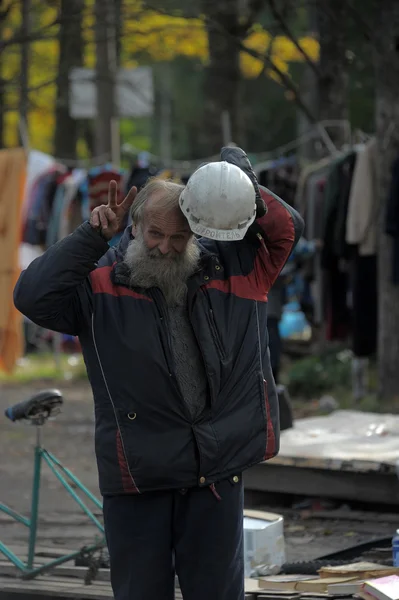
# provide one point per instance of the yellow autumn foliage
(148, 37)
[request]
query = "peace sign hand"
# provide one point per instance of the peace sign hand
(109, 218)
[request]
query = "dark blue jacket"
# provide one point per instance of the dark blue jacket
(145, 438)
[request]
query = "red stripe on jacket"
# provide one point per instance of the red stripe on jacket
(101, 284)
(270, 449)
(127, 480)
(243, 286)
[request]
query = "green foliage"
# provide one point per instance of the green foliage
(44, 367)
(320, 374)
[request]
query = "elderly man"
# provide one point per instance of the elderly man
(173, 331)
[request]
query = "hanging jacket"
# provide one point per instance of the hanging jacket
(145, 438)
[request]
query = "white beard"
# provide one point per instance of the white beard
(150, 268)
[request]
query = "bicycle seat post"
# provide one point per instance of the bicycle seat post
(39, 434)
(39, 420)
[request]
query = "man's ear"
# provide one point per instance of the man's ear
(134, 230)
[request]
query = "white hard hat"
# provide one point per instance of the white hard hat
(219, 202)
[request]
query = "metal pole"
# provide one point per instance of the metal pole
(166, 116)
(113, 68)
(226, 128)
(103, 81)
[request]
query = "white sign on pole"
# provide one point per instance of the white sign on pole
(134, 93)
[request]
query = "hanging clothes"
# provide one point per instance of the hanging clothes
(59, 224)
(98, 180)
(280, 176)
(361, 233)
(363, 219)
(336, 252)
(392, 220)
(141, 171)
(40, 205)
(38, 163)
(12, 186)
(321, 168)
(309, 200)
(336, 198)
(364, 303)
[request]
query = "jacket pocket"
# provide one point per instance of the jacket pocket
(128, 421)
(270, 446)
(210, 316)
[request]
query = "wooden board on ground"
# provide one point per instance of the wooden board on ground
(67, 581)
(49, 587)
(347, 455)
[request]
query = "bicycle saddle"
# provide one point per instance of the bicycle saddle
(42, 402)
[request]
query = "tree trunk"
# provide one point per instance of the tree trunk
(387, 123)
(333, 82)
(70, 56)
(24, 71)
(106, 65)
(222, 75)
(309, 91)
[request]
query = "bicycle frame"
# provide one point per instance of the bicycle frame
(64, 475)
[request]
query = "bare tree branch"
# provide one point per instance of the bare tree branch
(367, 30)
(284, 78)
(5, 12)
(254, 8)
(11, 84)
(286, 29)
(267, 61)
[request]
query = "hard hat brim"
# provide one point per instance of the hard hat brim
(220, 235)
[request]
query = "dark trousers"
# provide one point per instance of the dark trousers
(190, 532)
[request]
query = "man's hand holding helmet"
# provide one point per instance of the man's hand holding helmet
(236, 156)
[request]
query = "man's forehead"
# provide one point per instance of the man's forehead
(158, 215)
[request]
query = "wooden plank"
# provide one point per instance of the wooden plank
(56, 589)
(70, 587)
(44, 551)
(362, 487)
(103, 575)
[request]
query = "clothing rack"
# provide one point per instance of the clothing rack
(319, 130)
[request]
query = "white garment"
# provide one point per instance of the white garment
(71, 185)
(27, 254)
(363, 207)
(38, 163)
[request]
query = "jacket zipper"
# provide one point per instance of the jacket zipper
(263, 391)
(112, 402)
(204, 361)
(259, 343)
(167, 350)
(212, 325)
(163, 318)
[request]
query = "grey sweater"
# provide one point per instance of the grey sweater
(189, 365)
